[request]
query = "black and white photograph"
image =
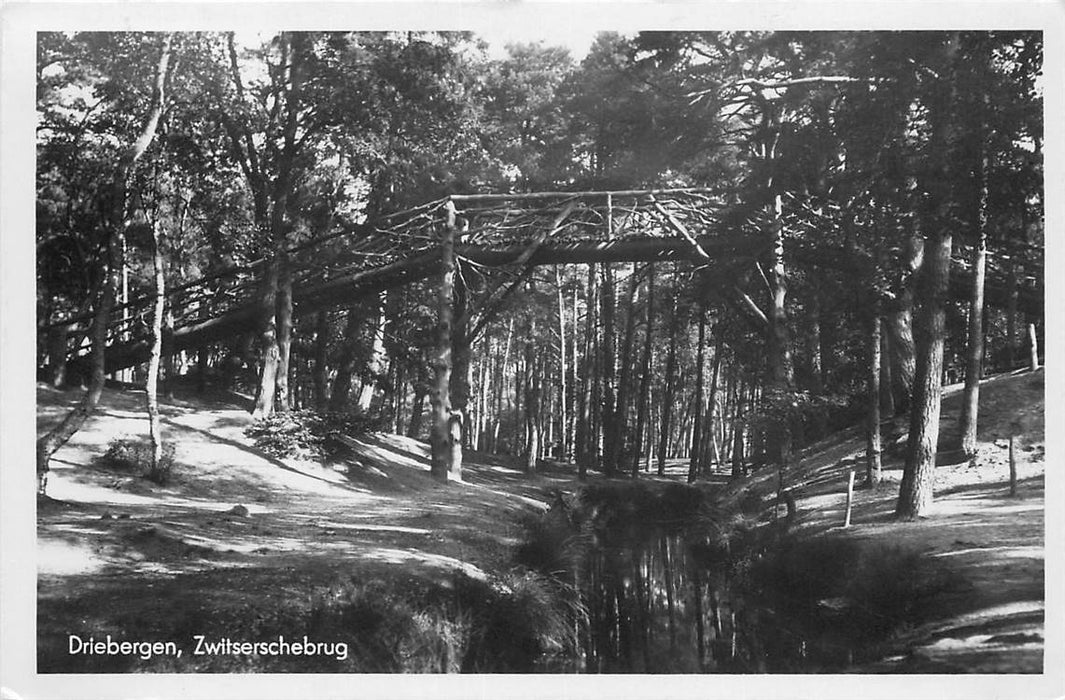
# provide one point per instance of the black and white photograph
(616, 348)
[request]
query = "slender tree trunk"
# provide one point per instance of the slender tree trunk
(694, 467)
(155, 434)
(1011, 313)
(645, 372)
(607, 371)
(571, 433)
(414, 428)
(284, 332)
(321, 355)
(1033, 348)
(532, 399)
(737, 433)
(621, 417)
(264, 398)
(460, 375)
(584, 432)
(378, 358)
(440, 434)
(970, 406)
(872, 452)
(887, 398)
(711, 410)
(779, 351)
(781, 375)
(501, 384)
(564, 452)
(48, 444)
(817, 372)
(668, 394)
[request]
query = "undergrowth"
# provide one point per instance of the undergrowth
(134, 456)
(308, 434)
(506, 623)
(847, 597)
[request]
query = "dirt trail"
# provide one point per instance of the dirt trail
(238, 532)
(237, 525)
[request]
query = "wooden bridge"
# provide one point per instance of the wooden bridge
(516, 231)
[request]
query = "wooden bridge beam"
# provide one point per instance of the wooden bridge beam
(345, 290)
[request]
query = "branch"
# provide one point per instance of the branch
(748, 305)
(683, 232)
(757, 84)
(522, 259)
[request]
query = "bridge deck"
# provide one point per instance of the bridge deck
(498, 230)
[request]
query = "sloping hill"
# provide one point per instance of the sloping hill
(988, 541)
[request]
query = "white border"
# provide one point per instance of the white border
(20, 21)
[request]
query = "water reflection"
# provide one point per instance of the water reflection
(662, 594)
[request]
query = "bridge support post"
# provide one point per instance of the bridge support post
(444, 432)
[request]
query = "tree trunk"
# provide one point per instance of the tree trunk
(694, 467)
(1011, 304)
(974, 369)
(284, 332)
(737, 434)
(338, 397)
(460, 374)
(607, 370)
(532, 399)
(915, 496)
(1033, 348)
(872, 452)
(440, 400)
(48, 444)
(711, 404)
(915, 493)
(414, 428)
(900, 329)
(584, 433)
(781, 375)
(887, 398)
(321, 355)
(621, 416)
(779, 350)
(376, 368)
(155, 435)
(645, 372)
(667, 397)
(564, 451)
(265, 394)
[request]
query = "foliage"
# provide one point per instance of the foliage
(308, 434)
(134, 455)
(851, 596)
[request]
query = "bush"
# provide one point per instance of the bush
(847, 595)
(134, 455)
(307, 434)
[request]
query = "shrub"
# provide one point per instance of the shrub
(307, 434)
(134, 455)
(848, 595)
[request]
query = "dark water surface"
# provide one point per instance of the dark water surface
(673, 599)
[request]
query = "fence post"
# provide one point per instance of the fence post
(850, 496)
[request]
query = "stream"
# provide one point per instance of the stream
(660, 595)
